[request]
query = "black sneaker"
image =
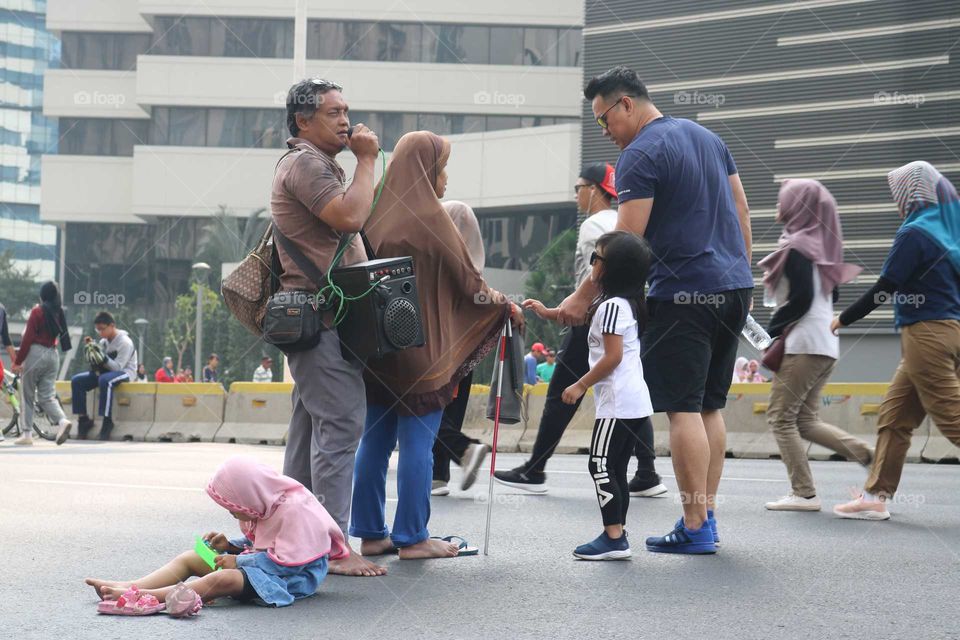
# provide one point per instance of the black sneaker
(105, 428)
(84, 425)
(647, 487)
(521, 478)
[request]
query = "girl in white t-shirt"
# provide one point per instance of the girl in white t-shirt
(619, 268)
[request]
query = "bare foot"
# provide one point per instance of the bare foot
(99, 584)
(429, 548)
(377, 547)
(356, 565)
(109, 592)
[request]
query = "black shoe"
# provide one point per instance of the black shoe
(646, 487)
(521, 478)
(84, 425)
(105, 428)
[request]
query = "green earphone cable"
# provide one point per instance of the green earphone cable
(335, 293)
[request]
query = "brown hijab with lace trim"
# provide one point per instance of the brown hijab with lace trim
(462, 316)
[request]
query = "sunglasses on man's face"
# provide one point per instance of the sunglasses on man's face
(594, 257)
(602, 118)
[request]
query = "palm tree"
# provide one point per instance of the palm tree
(229, 238)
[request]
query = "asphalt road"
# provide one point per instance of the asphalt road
(118, 510)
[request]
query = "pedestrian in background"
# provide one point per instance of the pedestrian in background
(801, 279)
(452, 443)
(165, 372)
(531, 361)
(923, 270)
(264, 373)
(38, 363)
(209, 373)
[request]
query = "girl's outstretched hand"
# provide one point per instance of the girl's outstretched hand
(572, 393)
(226, 562)
(217, 541)
(540, 309)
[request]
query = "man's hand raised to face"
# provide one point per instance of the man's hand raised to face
(363, 142)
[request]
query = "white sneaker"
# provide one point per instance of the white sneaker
(795, 503)
(652, 492)
(439, 488)
(25, 439)
(64, 432)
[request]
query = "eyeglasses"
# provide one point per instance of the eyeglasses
(577, 187)
(594, 257)
(602, 119)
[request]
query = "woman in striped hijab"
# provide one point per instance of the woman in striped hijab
(922, 275)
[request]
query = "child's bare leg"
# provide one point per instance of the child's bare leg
(180, 568)
(223, 583)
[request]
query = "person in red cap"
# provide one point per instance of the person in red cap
(530, 362)
(595, 190)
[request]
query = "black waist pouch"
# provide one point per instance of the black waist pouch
(293, 321)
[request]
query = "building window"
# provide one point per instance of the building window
(181, 36)
(117, 51)
(506, 45)
(569, 47)
(257, 128)
(540, 47)
(456, 44)
(223, 37)
(101, 137)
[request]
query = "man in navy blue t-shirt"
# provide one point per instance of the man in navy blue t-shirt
(677, 185)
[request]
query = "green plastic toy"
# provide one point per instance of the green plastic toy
(204, 551)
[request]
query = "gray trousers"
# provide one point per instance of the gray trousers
(38, 380)
(329, 409)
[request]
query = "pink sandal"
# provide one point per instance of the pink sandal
(131, 603)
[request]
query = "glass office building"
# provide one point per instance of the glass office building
(26, 51)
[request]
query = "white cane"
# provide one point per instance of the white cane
(505, 334)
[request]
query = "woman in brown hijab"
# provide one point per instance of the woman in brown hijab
(407, 390)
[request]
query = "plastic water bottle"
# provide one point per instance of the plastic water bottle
(756, 334)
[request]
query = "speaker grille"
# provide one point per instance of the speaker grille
(401, 323)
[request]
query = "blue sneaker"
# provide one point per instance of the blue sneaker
(713, 527)
(603, 547)
(683, 540)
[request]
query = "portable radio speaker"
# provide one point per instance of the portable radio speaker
(387, 318)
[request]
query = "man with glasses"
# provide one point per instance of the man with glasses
(594, 192)
(678, 187)
(311, 207)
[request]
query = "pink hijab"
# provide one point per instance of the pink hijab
(289, 523)
(811, 225)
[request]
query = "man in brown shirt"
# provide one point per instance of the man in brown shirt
(312, 207)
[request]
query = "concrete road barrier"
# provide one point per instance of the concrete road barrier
(256, 413)
(188, 412)
(134, 404)
(476, 425)
(65, 394)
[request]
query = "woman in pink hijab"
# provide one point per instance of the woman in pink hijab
(287, 540)
(800, 279)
